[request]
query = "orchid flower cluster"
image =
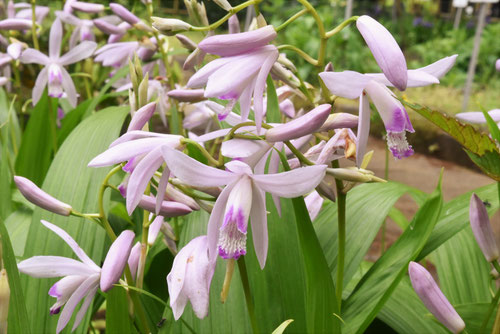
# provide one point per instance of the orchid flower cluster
(232, 133)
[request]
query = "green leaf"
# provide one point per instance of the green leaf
(5, 183)
(406, 313)
(18, 321)
(273, 114)
(399, 218)
(384, 276)
(474, 314)
(117, 318)
(35, 153)
(71, 120)
(281, 328)
(488, 162)
(492, 126)
(464, 273)
(70, 180)
(455, 217)
(17, 225)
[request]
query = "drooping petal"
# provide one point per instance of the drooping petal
(385, 49)
(40, 83)
(439, 68)
(363, 129)
(168, 208)
(154, 229)
(348, 84)
(193, 172)
(54, 266)
(133, 259)
(55, 39)
(69, 87)
(292, 183)
(82, 51)
(416, 78)
(258, 219)
(71, 243)
(239, 43)
(248, 151)
(84, 307)
(260, 85)
(139, 134)
(30, 56)
(116, 259)
(477, 117)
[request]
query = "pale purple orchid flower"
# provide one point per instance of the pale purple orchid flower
(81, 278)
(40, 198)
(187, 95)
(82, 28)
(241, 73)
(477, 117)
(190, 278)
(481, 227)
(14, 50)
(434, 299)
(25, 12)
(54, 74)
(200, 116)
(242, 198)
(115, 38)
(128, 16)
(118, 54)
(15, 24)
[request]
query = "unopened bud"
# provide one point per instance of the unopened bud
(329, 67)
(170, 26)
(143, 91)
(279, 72)
(261, 21)
(339, 121)
(116, 259)
(224, 4)
(353, 174)
(186, 42)
(133, 259)
(108, 28)
(481, 227)
(15, 24)
(167, 209)
(40, 198)
(91, 8)
(283, 60)
(142, 116)
(434, 299)
(187, 95)
(124, 13)
(301, 126)
(195, 58)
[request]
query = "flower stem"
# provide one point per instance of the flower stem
(298, 154)
(291, 19)
(341, 26)
(205, 153)
(102, 214)
(248, 296)
(301, 53)
(52, 120)
(33, 26)
(341, 203)
(493, 304)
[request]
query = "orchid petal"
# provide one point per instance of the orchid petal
(293, 183)
(40, 83)
(162, 188)
(168, 208)
(30, 56)
(72, 244)
(55, 39)
(193, 172)
(439, 68)
(116, 259)
(258, 217)
(139, 134)
(176, 277)
(69, 87)
(54, 266)
(363, 129)
(82, 51)
(154, 229)
(314, 202)
(84, 308)
(416, 78)
(348, 84)
(260, 86)
(477, 117)
(200, 78)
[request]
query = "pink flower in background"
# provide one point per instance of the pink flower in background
(82, 30)
(54, 74)
(477, 117)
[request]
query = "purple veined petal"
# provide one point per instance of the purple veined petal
(162, 188)
(55, 39)
(293, 183)
(142, 116)
(40, 83)
(124, 13)
(385, 49)
(154, 229)
(348, 84)
(168, 208)
(54, 266)
(33, 56)
(69, 87)
(141, 176)
(477, 117)
(116, 259)
(439, 68)
(258, 219)
(92, 8)
(139, 134)
(481, 227)
(215, 221)
(260, 85)
(301, 126)
(82, 51)
(55, 86)
(240, 43)
(193, 172)
(84, 307)
(71, 243)
(133, 259)
(84, 289)
(127, 150)
(314, 202)
(363, 129)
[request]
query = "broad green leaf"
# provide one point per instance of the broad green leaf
(455, 217)
(273, 114)
(18, 320)
(71, 120)
(36, 149)
(117, 318)
(474, 315)
(5, 181)
(281, 328)
(399, 218)
(406, 313)
(492, 126)
(464, 273)
(479, 146)
(17, 225)
(366, 209)
(70, 180)
(384, 276)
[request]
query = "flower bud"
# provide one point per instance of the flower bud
(4, 300)
(168, 208)
(353, 174)
(133, 259)
(15, 24)
(195, 58)
(114, 263)
(233, 24)
(142, 116)
(143, 91)
(92, 8)
(329, 67)
(109, 28)
(434, 299)
(170, 25)
(124, 13)
(186, 42)
(301, 126)
(279, 72)
(15, 49)
(481, 227)
(187, 95)
(338, 121)
(40, 198)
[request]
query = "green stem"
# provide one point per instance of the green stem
(341, 204)
(52, 120)
(291, 19)
(301, 53)
(493, 304)
(298, 154)
(205, 153)
(102, 214)
(248, 295)
(33, 27)
(341, 26)
(321, 30)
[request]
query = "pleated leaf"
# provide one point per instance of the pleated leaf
(273, 114)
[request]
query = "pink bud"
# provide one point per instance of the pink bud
(233, 24)
(15, 24)
(114, 263)
(109, 28)
(433, 298)
(124, 13)
(301, 126)
(92, 8)
(40, 198)
(168, 208)
(142, 116)
(186, 42)
(480, 224)
(338, 121)
(187, 95)
(385, 49)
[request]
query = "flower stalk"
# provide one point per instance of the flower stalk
(248, 294)
(341, 204)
